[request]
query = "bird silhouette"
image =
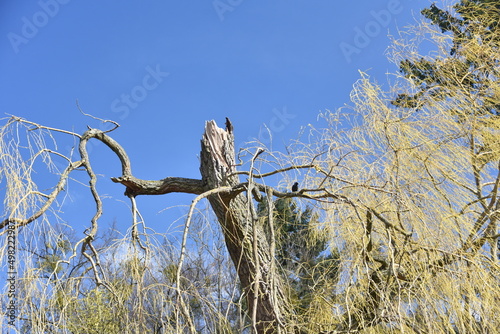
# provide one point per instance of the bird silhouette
(229, 125)
(295, 187)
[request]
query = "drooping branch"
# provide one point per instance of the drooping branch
(111, 143)
(135, 186)
(50, 199)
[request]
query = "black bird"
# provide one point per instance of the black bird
(229, 125)
(295, 187)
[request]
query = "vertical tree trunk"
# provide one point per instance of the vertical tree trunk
(234, 213)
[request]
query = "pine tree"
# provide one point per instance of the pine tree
(303, 255)
(469, 69)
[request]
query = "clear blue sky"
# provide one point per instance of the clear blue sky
(162, 68)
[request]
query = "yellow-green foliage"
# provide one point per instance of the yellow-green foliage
(96, 313)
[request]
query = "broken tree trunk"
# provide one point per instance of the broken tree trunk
(242, 231)
(245, 239)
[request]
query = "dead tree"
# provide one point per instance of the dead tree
(251, 250)
(232, 203)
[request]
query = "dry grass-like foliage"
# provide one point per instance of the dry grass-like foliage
(419, 233)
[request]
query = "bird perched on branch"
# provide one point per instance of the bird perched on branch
(229, 126)
(295, 187)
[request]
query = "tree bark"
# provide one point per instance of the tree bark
(236, 215)
(245, 239)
